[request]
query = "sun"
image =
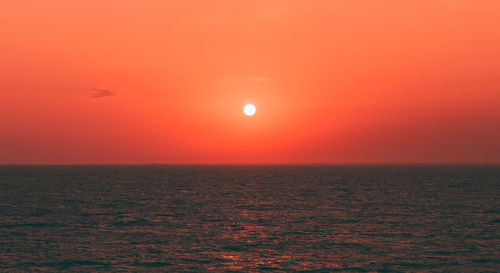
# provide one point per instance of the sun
(249, 109)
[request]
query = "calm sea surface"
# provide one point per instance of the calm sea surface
(250, 218)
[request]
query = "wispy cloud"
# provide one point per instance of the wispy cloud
(259, 79)
(246, 80)
(101, 93)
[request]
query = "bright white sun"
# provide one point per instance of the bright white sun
(249, 110)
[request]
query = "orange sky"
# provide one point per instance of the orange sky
(333, 81)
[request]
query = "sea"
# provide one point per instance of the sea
(316, 218)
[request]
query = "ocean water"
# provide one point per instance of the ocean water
(420, 218)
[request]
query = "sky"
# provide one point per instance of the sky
(140, 82)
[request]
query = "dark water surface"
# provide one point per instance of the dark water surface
(250, 218)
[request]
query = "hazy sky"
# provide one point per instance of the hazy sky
(333, 81)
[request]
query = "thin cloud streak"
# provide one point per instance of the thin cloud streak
(101, 93)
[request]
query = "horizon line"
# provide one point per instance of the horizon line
(259, 164)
